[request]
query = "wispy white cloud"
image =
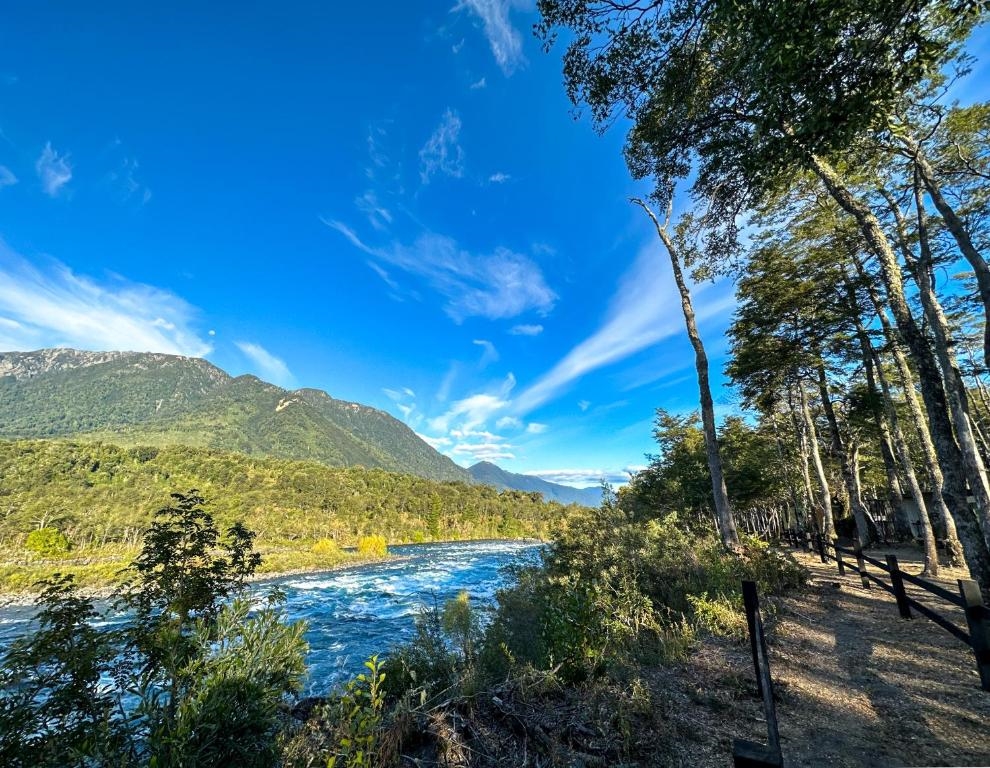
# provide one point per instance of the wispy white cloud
(535, 428)
(488, 355)
(378, 215)
(52, 306)
(442, 153)
(270, 367)
(644, 311)
(584, 405)
(526, 330)
(473, 412)
(499, 178)
(54, 170)
(478, 84)
(483, 451)
(504, 40)
(502, 284)
(7, 177)
(583, 477)
(398, 394)
(507, 422)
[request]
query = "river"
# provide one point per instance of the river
(356, 612)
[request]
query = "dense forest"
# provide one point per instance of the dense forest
(815, 156)
(97, 500)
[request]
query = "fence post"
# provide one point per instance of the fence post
(979, 628)
(898, 584)
(862, 566)
(748, 754)
(838, 561)
(807, 541)
(820, 540)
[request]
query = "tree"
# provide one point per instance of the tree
(197, 676)
(748, 95)
(723, 511)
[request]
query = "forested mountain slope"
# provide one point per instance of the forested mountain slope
(133, 398)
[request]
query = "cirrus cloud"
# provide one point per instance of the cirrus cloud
(52, 306)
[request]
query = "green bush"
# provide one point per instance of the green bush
(373, 546)
(197, 676)
(47, 542)
(614, 589)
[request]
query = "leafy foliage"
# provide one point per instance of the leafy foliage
(47, 542)
(98, 496)
(197, 676)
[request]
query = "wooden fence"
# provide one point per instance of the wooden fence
(969, 599)
(749, 754)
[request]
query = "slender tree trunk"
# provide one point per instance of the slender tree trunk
(828, 523)
(802, 441)
(845, 454)
(939, 504)
(904, 454)
(723, 512)
(954, 385)
(957, 229)
(970, 535)
(786, 468)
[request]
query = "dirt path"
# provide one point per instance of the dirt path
(859, 686)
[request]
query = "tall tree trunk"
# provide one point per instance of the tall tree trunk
(786, 468)
(955, 388)
(828, 523)
(894, 492)
(957, 229)
(802, 441)
(723, 512)
(950, 459)
(939, 504)
(904, 454)
(845, 454)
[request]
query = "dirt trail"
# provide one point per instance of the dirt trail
(860, 686)
(856, 686)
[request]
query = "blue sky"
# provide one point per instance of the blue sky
(394, 203)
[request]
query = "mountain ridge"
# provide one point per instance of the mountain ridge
(135, 398)
(157, 399)
(487, 473)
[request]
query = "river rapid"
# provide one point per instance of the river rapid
(353, 613)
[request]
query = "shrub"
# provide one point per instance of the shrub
(614, 590)
(373, 546)
(197, 675)
(326, 548)
(47, 542)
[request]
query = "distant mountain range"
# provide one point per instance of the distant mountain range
(138, 398)
(490, 474)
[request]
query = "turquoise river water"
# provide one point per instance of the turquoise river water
(356, 612)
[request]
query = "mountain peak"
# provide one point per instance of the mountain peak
(491, 474)
(143, 398)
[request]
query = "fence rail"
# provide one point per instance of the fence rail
(969, 599)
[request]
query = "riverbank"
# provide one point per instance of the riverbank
(99, 578)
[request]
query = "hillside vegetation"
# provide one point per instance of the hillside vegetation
(132, 398)
(100, 498)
